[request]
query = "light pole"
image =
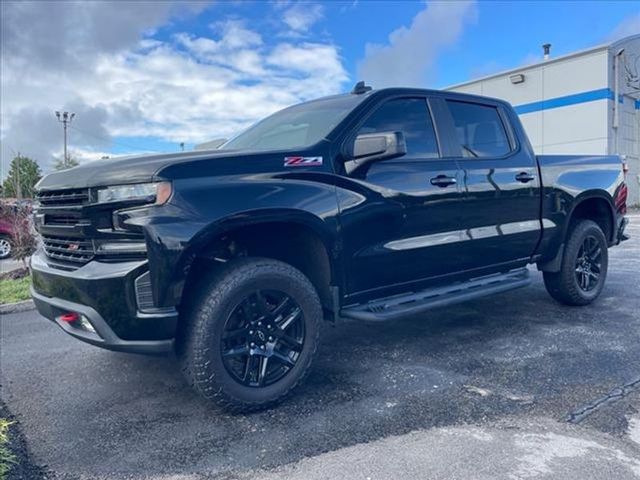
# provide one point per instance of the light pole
(65, 118)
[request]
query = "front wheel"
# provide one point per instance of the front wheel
(251, 335)
(584, 266)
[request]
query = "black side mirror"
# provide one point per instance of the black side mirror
(371, 147)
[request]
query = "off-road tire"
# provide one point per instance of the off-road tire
(563, 285)
(198, 344)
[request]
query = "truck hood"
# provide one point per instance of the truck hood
(133, 169)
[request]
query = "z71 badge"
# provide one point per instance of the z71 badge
(302, 161)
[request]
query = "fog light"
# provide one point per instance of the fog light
(86, 324)
(78, 321)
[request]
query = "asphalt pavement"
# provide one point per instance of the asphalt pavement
(513, 386)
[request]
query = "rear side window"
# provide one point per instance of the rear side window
(411, 117)
(479, 129)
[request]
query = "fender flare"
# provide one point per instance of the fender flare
(220, 226)
(590, 195)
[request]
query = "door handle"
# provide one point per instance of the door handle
(524, 177)
(443, 181)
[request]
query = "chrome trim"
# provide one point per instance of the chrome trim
(475, 233)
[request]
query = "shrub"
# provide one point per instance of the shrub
(23, 235)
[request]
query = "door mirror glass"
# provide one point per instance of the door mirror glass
(371, 147)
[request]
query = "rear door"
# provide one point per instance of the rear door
(501, 207)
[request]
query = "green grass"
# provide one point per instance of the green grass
(6, 457)
(12, 291)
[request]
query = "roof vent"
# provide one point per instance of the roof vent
(360, 88)
(546, 48)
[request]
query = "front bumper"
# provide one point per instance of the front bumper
(102, 335)
(104, 295)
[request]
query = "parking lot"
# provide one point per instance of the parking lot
(513, 386)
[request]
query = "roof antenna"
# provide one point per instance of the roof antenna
(360, 88)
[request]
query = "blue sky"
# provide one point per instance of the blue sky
(504, 35)
(144, 76)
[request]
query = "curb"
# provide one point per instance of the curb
(17, 307)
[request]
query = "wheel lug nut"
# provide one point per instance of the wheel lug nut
(250, 332)
(270, 339)
(262, 347)
(259, 324)
(252, 344)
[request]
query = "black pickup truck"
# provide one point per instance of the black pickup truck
(373, 206)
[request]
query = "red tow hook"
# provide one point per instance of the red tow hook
(69, 317)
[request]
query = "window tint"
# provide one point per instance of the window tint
(479, 129)
(411, 117)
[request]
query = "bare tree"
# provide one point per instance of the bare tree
(23, 236)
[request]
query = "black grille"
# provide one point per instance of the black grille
(69, 197)
(72, 250)
(59, 212)
(72, 225)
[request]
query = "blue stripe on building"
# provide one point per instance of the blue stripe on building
(575, 99)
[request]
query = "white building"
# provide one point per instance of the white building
(567, 105)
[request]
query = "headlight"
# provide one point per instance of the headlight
(157, 192)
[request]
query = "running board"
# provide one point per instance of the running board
(406, 304)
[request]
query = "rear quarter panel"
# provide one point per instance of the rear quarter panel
(568, 180)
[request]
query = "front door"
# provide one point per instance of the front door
(401, 233)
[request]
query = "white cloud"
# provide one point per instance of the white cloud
(310, 58)
(233, 36)
(629, 26)
(184, 89)
(302, 16)
(205, 93)
(409, 55)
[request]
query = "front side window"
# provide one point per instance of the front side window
(411, 117)
(479, 130)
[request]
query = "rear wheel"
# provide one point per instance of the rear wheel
(252, 333)
(5, 247)
(584, 266)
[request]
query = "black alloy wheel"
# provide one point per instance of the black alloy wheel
(584, 265)
(262, 338)
(588, 263)
(249, 333)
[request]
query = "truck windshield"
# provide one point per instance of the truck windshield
(295, 127)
